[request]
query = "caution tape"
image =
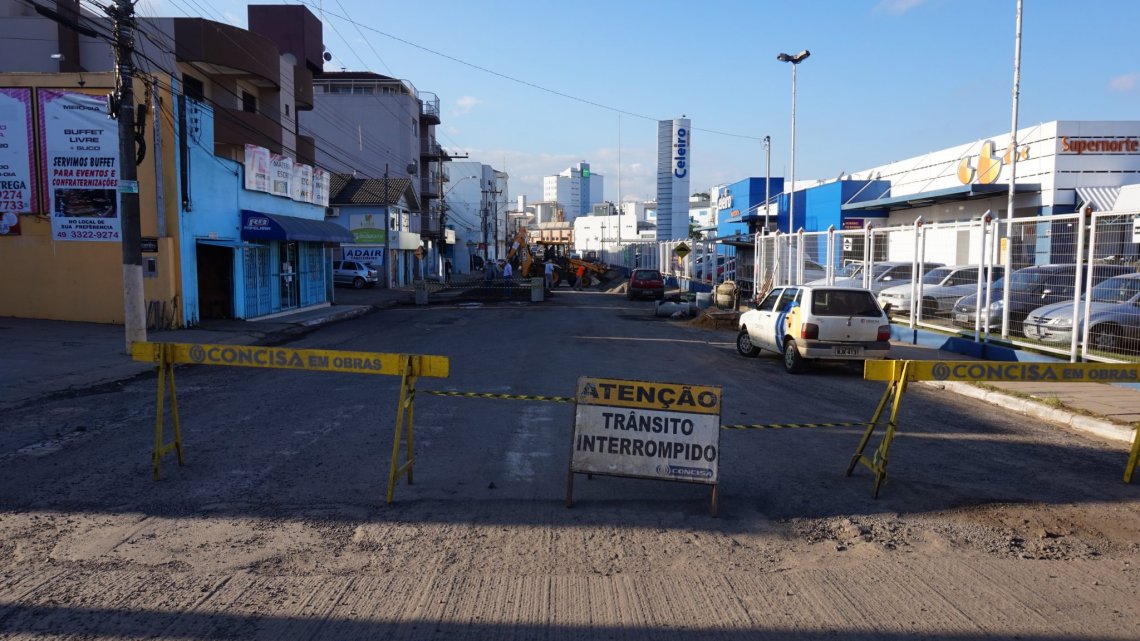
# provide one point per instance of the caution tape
(508, 397)
(790, 426)
(571, 399)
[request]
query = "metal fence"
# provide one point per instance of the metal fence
(948, 276)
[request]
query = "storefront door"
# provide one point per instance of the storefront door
(290, 290)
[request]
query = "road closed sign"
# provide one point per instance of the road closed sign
(647, 430)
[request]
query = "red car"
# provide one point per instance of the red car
(646, 281)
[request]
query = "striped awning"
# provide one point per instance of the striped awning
(1099, 198)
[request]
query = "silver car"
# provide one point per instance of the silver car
(355, 273)
(1114, 317)
(883, 275)
(941, 288)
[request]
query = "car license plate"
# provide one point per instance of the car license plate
(961, 318)
(848, 351)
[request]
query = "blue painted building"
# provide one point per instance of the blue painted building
(245, 253)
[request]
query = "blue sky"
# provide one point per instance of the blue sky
(886, 80)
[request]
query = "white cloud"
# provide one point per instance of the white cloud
(1125, 82)
(465, 105)
(897, 7)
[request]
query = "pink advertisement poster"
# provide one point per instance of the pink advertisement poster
(17, 192)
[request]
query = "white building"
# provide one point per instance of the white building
(604, 232)
(674, 150)
(576, 189)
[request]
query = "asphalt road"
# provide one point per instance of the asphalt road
(990, 525)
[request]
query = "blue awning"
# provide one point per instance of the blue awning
(921, 199)
(256, 225)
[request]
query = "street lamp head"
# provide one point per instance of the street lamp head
(796, 59)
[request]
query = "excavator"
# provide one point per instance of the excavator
(520, 248)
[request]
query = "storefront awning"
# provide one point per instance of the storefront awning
(1101, 198)
(922, 199)
(256, 225)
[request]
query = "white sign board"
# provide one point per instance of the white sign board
(1136, 228)
(81, 163)
(647, 430)
(16, 158)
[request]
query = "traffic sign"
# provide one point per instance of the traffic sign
(681, 250)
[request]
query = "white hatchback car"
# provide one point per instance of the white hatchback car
(811, 322)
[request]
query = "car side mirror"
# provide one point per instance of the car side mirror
(887, 278)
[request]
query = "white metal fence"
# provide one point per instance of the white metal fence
(949, 276)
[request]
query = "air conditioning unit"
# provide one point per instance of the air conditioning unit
(332, 212)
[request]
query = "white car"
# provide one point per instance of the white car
(883, 275)
(941, 288)
(809, 322)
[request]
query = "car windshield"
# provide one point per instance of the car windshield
(1116, 290)
(647, 274)
(936, 276)
(844, 302)
(1020, 282)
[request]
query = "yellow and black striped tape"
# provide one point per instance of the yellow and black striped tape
(508, 397)
(792, 426)
(570, 399)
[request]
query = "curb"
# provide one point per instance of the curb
(1095, 426)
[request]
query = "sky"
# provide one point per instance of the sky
(532, 87)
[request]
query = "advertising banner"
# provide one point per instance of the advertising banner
(256, 168)
(647, 430)
(302, 183)
(16, 159)
(81, 166)
(367, 228)
(321, 180)
(369, 255)
(280, 175)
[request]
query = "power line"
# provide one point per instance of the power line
(504, 76)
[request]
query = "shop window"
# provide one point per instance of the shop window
(193, 88)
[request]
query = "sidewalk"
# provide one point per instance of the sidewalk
(42, 358)
(1106, 410)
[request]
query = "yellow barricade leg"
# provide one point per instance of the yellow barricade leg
(872, 425)
(166, 385)
(404, 414)
(1132, 458)
(878, 463)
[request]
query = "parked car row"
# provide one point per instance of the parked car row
(1040, 300)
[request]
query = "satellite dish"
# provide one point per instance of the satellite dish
(413, 168)
(327, 56)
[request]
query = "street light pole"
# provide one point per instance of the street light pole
(767, 179)
(795, 60)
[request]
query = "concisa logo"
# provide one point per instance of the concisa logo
(197, 354)
(986, 166)
(941, 371)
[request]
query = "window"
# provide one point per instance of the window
(770, 302)
(248, 102)
(286, 110)
(826, 302)
(193, 88)
(791, 295)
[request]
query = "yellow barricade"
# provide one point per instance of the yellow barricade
(408, 367)
(897, 373)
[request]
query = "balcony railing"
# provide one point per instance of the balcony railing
(429, 148)
(429, 111)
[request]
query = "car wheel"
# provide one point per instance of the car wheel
(793, 362)
(744, 344)
(629, 294)
(929, 308)
(358, 282)
(1106, 338)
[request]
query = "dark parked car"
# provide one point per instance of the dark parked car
(1030, 288)
(646, 282)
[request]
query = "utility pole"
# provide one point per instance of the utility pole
(491, 225)
(134, 310)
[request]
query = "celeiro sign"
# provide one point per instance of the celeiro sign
(681, 152)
